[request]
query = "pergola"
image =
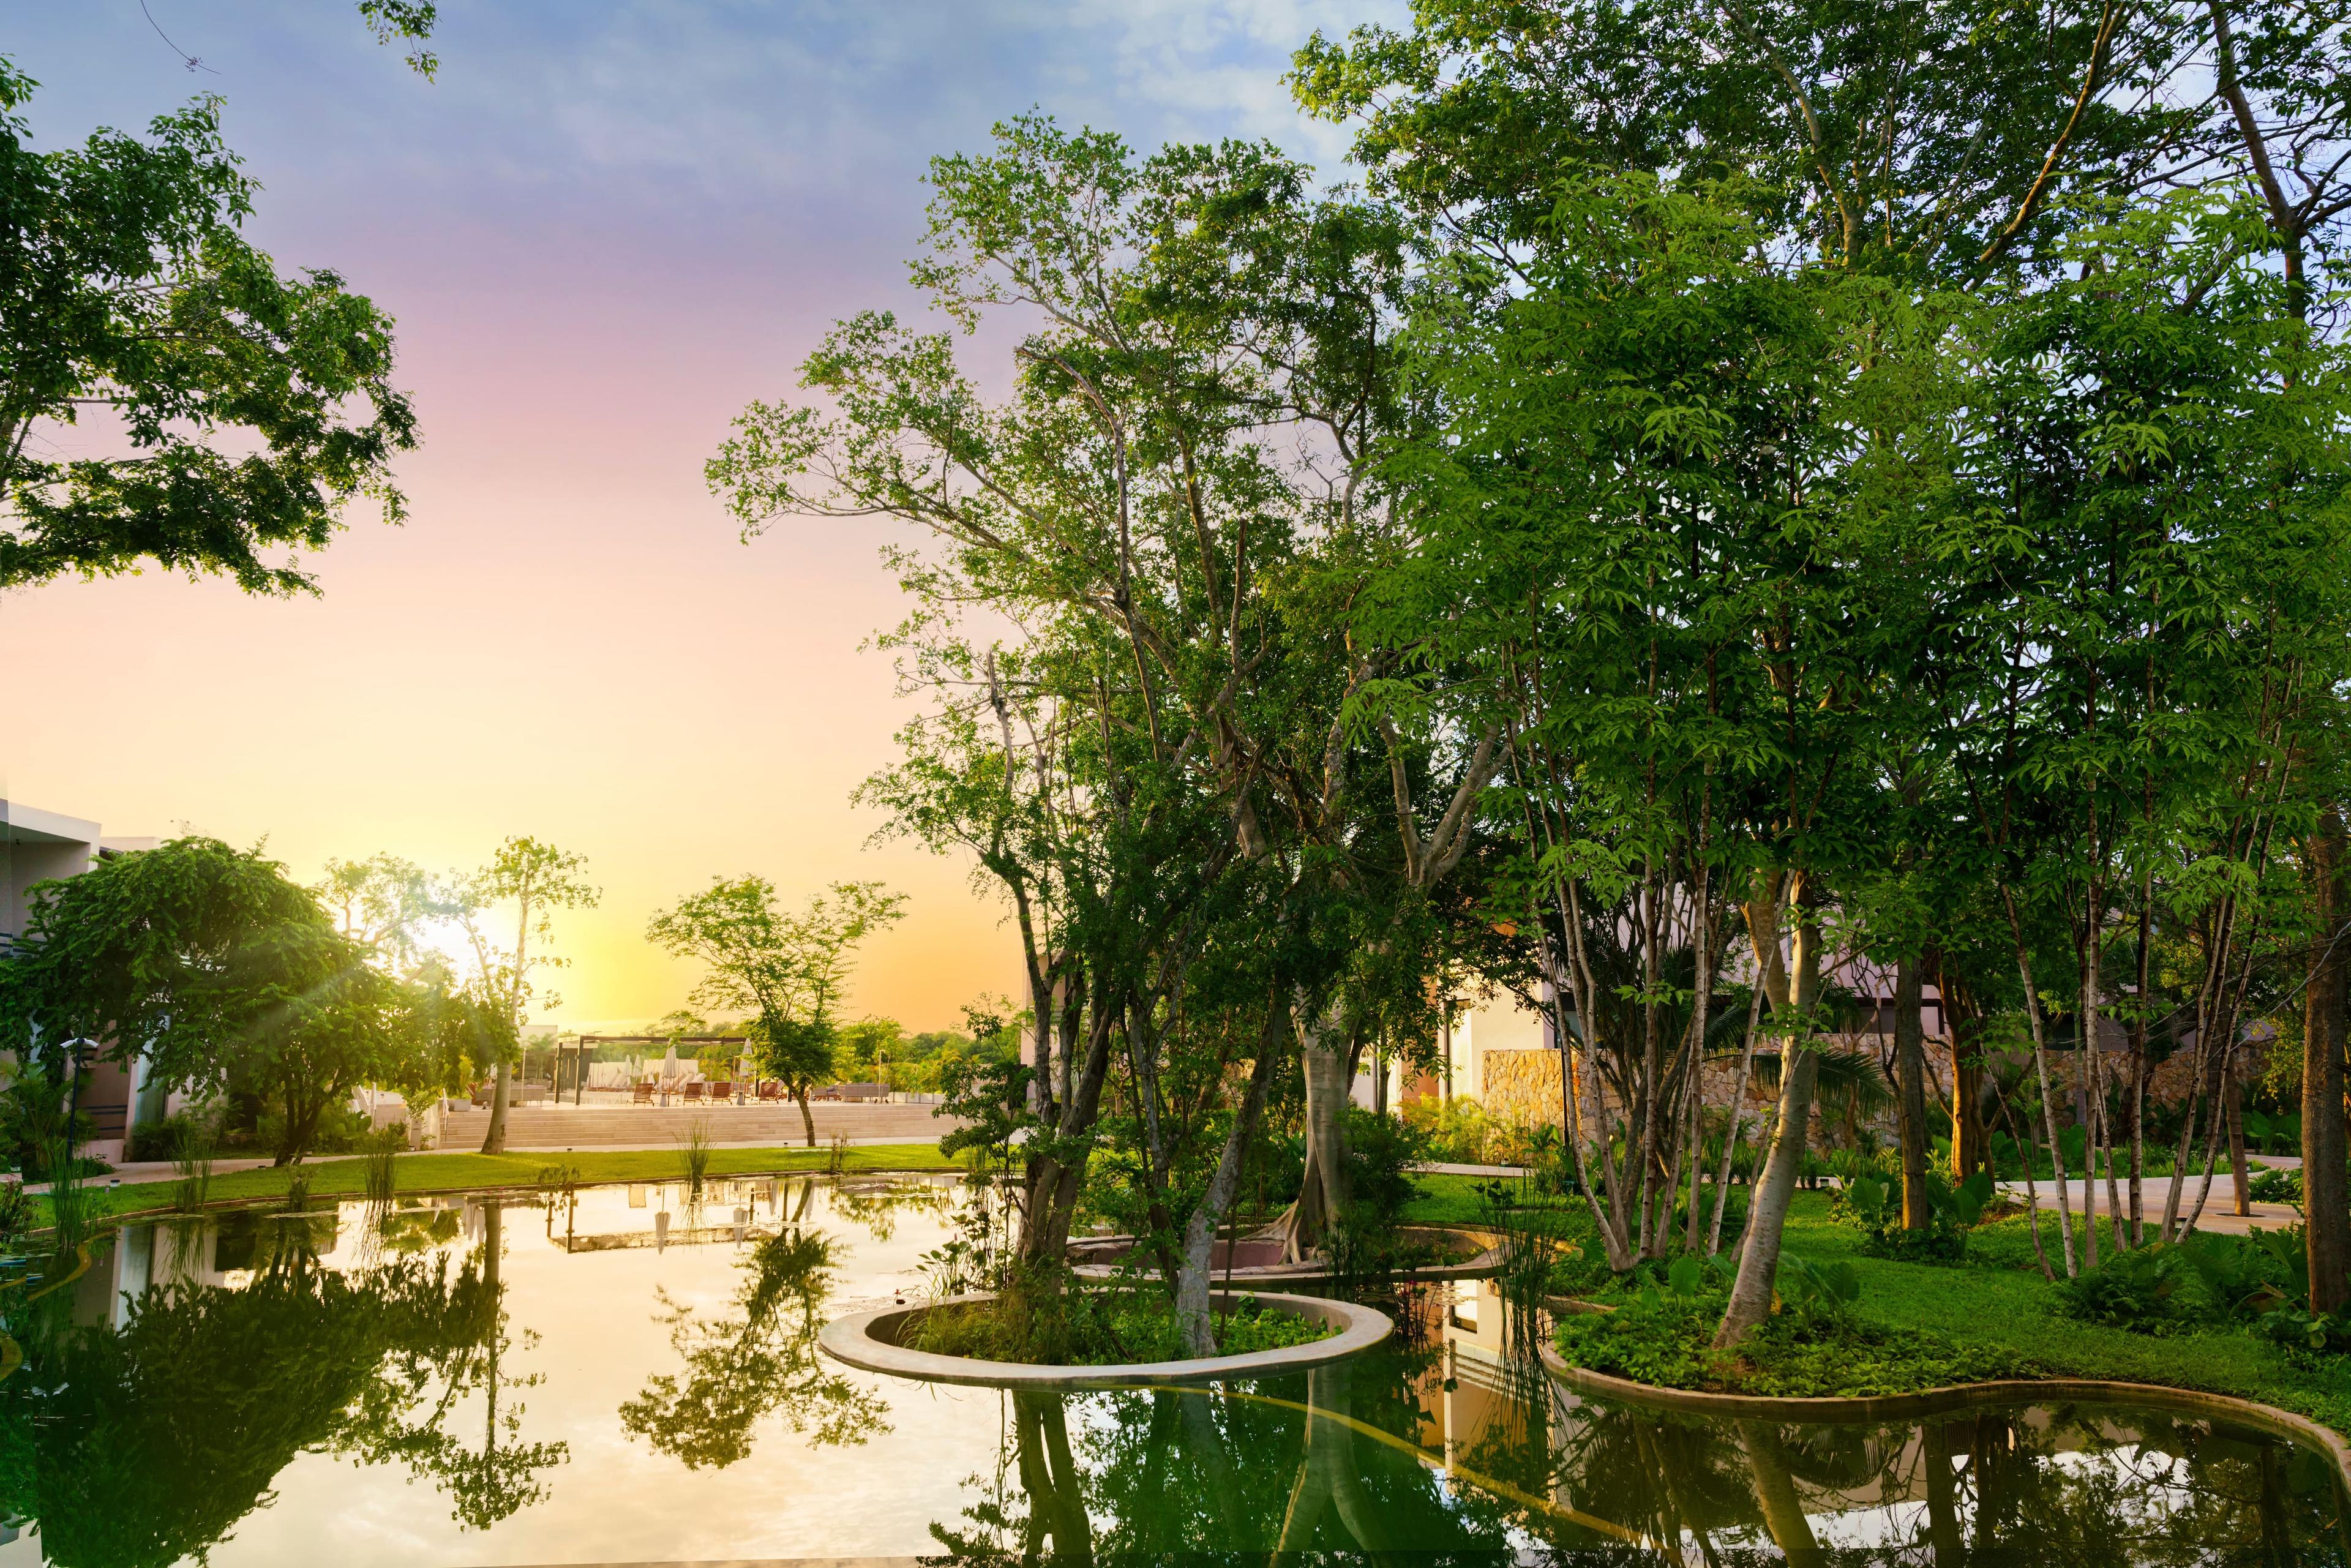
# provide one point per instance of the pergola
(581, 1046)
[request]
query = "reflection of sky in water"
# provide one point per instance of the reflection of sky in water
(1445, 1451)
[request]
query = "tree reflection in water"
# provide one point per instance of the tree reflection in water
(1456, 1459)
(145, 1442)
(761, 1361)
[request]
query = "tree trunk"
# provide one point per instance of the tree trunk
(1055, 1174)
(493, 1141)
(2048, 1100)
(1193, 1280)
(2326, 1010)
(1758, 1259)
(2239, 1175)
(1323, 1046)
(808, 1117)
(1738, 1114)
(1970, 1134)
(1910, 1075)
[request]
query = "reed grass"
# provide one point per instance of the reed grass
(697, 1156)
(380, 1179)
(68, 1215)
(195, 1164)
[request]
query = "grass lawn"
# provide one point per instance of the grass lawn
(456, 1173)
(1994, 1308)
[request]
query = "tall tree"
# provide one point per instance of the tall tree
(214, 966)
(534, 879)
(791, 969)
(244, 409)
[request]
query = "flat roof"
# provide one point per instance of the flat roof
(29, 825)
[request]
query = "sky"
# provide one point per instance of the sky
(603, 229)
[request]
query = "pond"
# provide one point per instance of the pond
(627, 1379)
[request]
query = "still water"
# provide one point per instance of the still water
(630, 1378)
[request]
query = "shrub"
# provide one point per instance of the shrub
(2132, 1290)
(174, 1137)
(1662, 1337)
(1380, 1153)
(1871, 1200)
(340, 1131)
(1453, 1131)
(2271, 1185)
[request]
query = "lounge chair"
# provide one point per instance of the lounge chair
(692, 1091)
(722, 1089)
(642, 1093)
(771, 1090)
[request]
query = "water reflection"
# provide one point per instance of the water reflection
(165, 1389)
(761, 1359)
(1458, 1453)
(375, 1387)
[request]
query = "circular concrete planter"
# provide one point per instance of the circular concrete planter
(869, 1341)
(1480, 1257)
(1931, 1402)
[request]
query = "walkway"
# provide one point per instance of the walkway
(569, 1128)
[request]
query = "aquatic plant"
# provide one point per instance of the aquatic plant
(383, 1147)
(198, 1137)
(697, 1155)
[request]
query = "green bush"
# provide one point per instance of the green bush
(1380, 1153)
(171, 1138)
(1871, 1199)
(1451, 1130)
(1098, 1327)
(1664, 1338)
(2271, 1184)
(2134, 1289)
(340, 1131)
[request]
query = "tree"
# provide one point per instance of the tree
(246, 409)
(218, 970)
(790, 969)
(535, 879)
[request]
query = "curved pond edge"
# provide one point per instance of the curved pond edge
(1929, 1402)
(1484, 1263)
(868, 1341)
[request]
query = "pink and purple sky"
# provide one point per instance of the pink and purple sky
(606, 226)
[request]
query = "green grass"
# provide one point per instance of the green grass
(458, 1173)
(1104, 1328)
(1456, 1200)
(1996, 1309)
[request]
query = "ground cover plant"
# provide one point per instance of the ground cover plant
(1102, 1327)
(1912, 1325)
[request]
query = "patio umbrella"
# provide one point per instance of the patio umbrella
(669, 1063)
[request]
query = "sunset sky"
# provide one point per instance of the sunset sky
(603, 229)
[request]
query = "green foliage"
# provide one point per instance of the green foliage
(1871, 1199)
(247, 408)
(791, 969)
(1452, 1128)
(2273, 1184)
(1818, 1295)
(1665, 1338)
(224, 974)
(120, 1449)
(1102, 1326)
(758, 1361)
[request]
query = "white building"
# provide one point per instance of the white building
(38, 846)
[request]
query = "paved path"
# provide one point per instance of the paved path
(571, 1127)
(2220, 1208)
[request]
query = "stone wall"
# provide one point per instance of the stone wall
(1521, 1087)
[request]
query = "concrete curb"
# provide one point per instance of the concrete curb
(1482, 1264)
(1958, 1397)
(867, 1341)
